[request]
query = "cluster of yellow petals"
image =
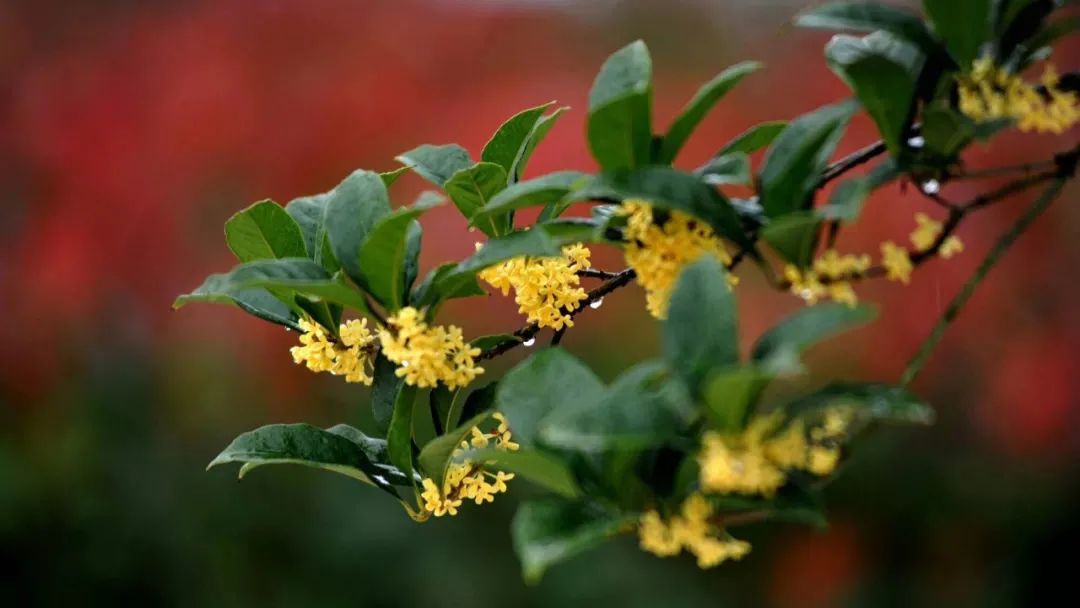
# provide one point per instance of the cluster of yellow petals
(467, 480)
(828, 277)
(352, 357)
(756, 460)
(426, 355)
(897, 262)
(690, 530)
(658, 251)
(546, 290)
(926, 234)
(990, 92)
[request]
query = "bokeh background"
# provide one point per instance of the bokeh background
(129, 132)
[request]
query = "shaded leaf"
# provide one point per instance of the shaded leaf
(695, 111)
(353, 208)
(548, 532)
(542, 468)
(534, 192)
(436, 456)
(730, 168)
(620, 104)
(778, 349)
(755, 138)
(472, 188)
(385, 254)
(861, 16)
(871, 402)
(436, 163)
(300, 275)
(730, 394)
(794, 236)
(507, 146)
(539, 132)
(701, 331)
(964, 25)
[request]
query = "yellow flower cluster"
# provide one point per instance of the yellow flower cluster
(545, 289)
(658, 252)
(470, 480)
(755, 461)
(427, 355)
(926, 234)
(352, 357)
(690, 530)
(835, 268)
(990, 92)
(897, 262)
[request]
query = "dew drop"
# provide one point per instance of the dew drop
(917, 141)
(931, 186)
(529, 342)
(404, 364)
(596, 303)
(805, 294)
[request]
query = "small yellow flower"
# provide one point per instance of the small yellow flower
(927, 232)
(428, 355)
(828, 278)
(352, 357)
(546, 290)
(897, 262)
(690, 530)
(658, 251)
(950, 247)
(990, 92)
(467, 480)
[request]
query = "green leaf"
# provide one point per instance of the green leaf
(1066, 26)
(309, 213)
(620, 106)
(793, 504)
(778, 350)
(730, 168)
(861, 16)
(548, 532)
(871, 402)
(701, 331)
(437, 164)
(754, 138)
(385, 254)
(300, 275)
(472, 188)
(352, 210)
(730, 393)
(669, 189)
(846, 201)
(542, 468)
(486, 342)
(640, 409)
(882, 70)
(964, 25)
(794, 236)
(703, 101)
(389, 177)
(426, 295)
(539, 132)
(796, 159)
(509, 143)
(569, 230)
(478, 401)
(339, 450)
(436, 456)
(945, 130)
(534, 192)
(384, 392)
(399, 438)
(262, 304)
(549, 381)
(264, 231)
(1019, 22)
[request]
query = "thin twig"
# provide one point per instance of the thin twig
(596, 273)
(851, 161)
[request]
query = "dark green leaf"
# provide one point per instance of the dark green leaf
(547, 532)
(476, 402)
(542, 190)
(436, 163)
(352, 210)
(871, 402)
(539, 132)
(620, 105)
(413, 238)
(472, 188)
(264, 231)
(263, 304)
(703, 101)
(384, 392)
(337, 450)
(486, 342)
(385, 254)
(796, 159)
(425, 295)
(754, 138)
(508, 144)
(435, 457)
(964, 25)
(945, 130)
(542, 468)
(701, 331)
(792, 504)
(794, 236)
(730, 168)
(399, 438)
(778, 350)
(882, 70)
(389, 177)
(300, 275)
(861, 16)
(307, 212)
(730, 394)
(570, 230)
(1066, 26)
(846, 201)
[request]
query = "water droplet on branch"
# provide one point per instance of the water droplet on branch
(931, 186)
(529, 342)
(596, 303)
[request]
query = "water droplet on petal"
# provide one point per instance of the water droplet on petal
(931, 186)
(917, 141)
(404, 364)
(529, 342)
(596, 303)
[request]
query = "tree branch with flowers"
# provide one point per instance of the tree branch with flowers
(684, 448)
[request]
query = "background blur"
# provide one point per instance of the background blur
(129, 132)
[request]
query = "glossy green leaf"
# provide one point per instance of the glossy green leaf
(778, 350)
(509, 143)
(399, 442)
(870, 402)
(472, 189)
(669, 189)
(436, 456)
(964, 25)
(384, 391)
(730, 168)
(539, 132)
(547, 532)
(542, 468)
(262, 304)
(264, 231)
(297, 274)
(796, 159)
(486, 342)
(339, 449)
(620, 105)
(569, 230)
(386, 253)
(945, 130)
(794, 236)
(701, 330)
(437, 164)
(549, 381)
(846, 201)
(729, 395)
(531, 193)
(426, 295)
(755, 138)
(353, 208)
(882, 70)
(703, 101)
(389, 177)
(862, 16)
